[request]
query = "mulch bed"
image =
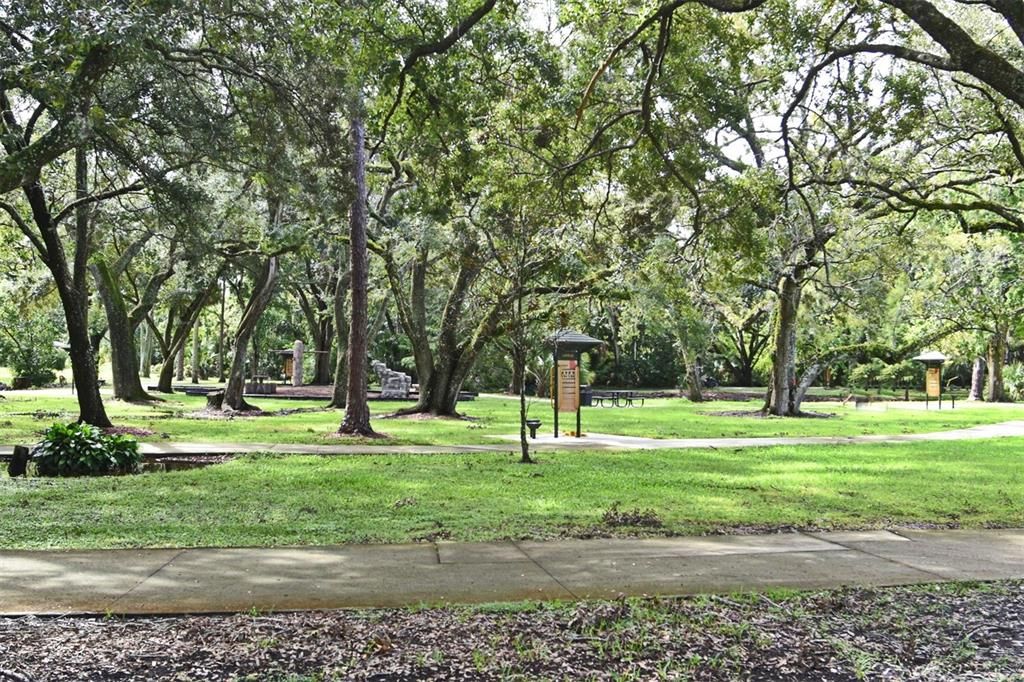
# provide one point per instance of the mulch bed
(765, 415)
(128, 431)
(949, 632)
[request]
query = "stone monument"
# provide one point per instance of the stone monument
(393, 385)
(297, 351)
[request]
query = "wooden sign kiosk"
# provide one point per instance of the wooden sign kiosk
(933, 361)
(567, 347)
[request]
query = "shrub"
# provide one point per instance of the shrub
(84, 450)
(1013, 380)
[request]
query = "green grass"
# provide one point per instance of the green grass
(24, 417)
(290, 500)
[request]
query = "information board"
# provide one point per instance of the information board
(933, 379)
(568, 385)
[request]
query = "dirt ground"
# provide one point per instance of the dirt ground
(949, 632)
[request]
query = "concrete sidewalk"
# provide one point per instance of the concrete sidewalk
(233, 580)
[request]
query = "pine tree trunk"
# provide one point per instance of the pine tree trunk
(357, 409)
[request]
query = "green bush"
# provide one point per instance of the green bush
(84, 450)
(1013, 380)
(867, 374)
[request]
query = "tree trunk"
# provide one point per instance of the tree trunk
(693, 378)
(195, 353)
(146, 352)
(341, 325)
(220, 338)
(75, 298)
(613, 325)
(127, 384)
(519, 373)
(977, 378)
(440, 396)
(165, 381)
(263, 290)
(83, 362)
(783, 401)
(173, 345)
(357, 409)
(995, 391)
(322, 358)
(179, 363)
(518, 384)
(743, 373)
(70, 281)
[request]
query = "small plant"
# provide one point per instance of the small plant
(631, 517)
(84, 450)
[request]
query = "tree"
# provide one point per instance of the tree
(61, 93)
(975, 287)
(357, 409)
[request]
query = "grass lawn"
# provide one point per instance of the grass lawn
(279, 500)
(23, 417)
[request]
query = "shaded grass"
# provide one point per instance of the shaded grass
(291, 500)
(24, 417)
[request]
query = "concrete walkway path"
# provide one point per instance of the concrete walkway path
(232, 580)
(592, 441)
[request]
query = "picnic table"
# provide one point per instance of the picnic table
(617, 399)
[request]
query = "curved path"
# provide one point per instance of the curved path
(593, 441)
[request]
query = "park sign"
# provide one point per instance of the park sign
(933, 382)
(933, 361)
(568, 385)
(567, 346)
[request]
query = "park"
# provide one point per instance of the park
(501, 339)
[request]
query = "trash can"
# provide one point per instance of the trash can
(586, 396)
